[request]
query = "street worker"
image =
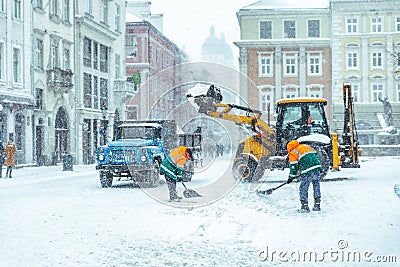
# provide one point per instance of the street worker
(172, 169)
(9, 152)
(304, 163)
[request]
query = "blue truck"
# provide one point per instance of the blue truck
(139, 147)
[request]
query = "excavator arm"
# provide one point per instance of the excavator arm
(253, 153)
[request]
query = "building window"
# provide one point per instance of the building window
(95, 55)
(376, 60)
(38, 98)
(377, 50)
(39, 54)
(377, 24)
(267, 100)
(87, 90)
(290, 65)
(398, 24)
(54, 54)
(265, 29)
(351, 25)
(103, 93)
(352, 60)
(66, 10)
(117, 66)
(314, 92)
(289, 29)
(130, 46)
(290, 92)
(117, 18)
(313, 28)
(104, 11)
(377, 91)
(131, 112)
(103, 58)
(265, 66)
(2, 61)
(39, 4)
(54, 7)
(67, 59)
(352, 55)
(96, 102)
(17, 9)
(356, 91)
(87, 52)
(314, 64)
(17, 65)
(88, 6)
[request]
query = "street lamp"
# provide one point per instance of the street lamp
(104, 114)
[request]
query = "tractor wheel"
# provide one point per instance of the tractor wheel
(106, 179)
(244, 169)
(324, 159)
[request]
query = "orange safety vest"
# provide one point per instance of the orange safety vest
(179, 155)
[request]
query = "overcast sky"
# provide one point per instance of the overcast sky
(187, 22)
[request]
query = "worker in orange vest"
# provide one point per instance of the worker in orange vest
(172, 168)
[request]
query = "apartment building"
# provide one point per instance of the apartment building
(285, 52)
(99, 80)
(151, 63)
(366, 53)
(16, 96)
(53, 84)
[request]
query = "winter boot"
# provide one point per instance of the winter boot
(317, 204)
(304, 207)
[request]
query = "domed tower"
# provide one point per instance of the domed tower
(216, 49)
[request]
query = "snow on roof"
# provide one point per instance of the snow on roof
(132, 18)
(288, 4)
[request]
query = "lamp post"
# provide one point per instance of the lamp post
(104, 114)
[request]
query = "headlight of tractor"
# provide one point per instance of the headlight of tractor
(101, 157)
(143, 158)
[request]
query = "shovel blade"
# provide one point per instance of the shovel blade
(189, 193)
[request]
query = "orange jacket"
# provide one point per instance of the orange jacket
(179, 155)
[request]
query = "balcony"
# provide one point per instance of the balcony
(59, 80)
(125, 87)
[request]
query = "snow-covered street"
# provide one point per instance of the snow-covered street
(52, 217)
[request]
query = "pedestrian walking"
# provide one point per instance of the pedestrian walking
(304, 162)
(172, 168)
(9, 152)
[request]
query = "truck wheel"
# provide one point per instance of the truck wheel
(324, 159)
(106, 179)
(245, 170)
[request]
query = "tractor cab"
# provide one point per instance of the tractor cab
(298, 117)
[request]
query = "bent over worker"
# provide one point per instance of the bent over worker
(172, 168)
(304, 162)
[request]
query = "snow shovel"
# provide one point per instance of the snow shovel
(188, 193)
(269, 191)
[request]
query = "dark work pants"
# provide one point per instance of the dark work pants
(171, 183)
(9, 170)
(305, 181)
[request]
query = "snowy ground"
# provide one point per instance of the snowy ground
(49, 217)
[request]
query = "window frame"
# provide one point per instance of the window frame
(308, 28)
(377, 27)
(265, 69)
(354, 26)
(292, 72)
(293, 27)
(265, 32)
(313, 56)
(376, 92)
